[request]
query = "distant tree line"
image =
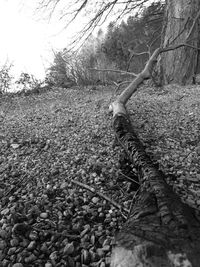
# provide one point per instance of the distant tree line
(119, 47)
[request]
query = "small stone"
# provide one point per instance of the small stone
(102, 264)
(14, 242)
(33, 235)
(5, 263)
(24, 243)
(31, 246)
(2, 256)
(71, 262)
(84, 232)
(11, 251)
(92, 239)
(18, 265)
(95, 200)
(5, 211)
(3, 234)
(30, 259)
(53, 256)
(107, 261)
(106, 248)
(94, 256)
(44, 248)
(14, 146)
(106, 242)
(69, 248)
(2, 244)
(65, 241)
(48, 264)
(100, 252)
(44, 215)
(63, 185)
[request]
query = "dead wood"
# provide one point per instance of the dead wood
(161, 230)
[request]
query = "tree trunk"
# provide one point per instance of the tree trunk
(180, 66)
(161, 230)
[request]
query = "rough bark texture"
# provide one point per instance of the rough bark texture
(161, 231)
(180, 66)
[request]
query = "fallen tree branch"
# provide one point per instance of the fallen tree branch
(160, 230)
(145, 74)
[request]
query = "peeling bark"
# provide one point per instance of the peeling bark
(161, 231)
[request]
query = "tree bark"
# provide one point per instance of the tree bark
(181, 65)
(161, 230)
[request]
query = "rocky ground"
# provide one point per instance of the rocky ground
(52, 142)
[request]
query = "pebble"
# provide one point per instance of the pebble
(5, 211)
(3, 234)
(69, 248)
(30, 259)
(2, 244)
(95, 200)
(33, 235)
(12, 250)
(48, 264)
(106, 248)
(14, 242)
(100, 252)
(63, 185)
(106, 242)
(108, 261)
(18, 265)
(31, 245)
(53, 256)
(14, 146)
(5, 263)
(198, 202)
(44, 215)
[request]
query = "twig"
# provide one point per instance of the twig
(119, 71)
(138, 54)
(93, 190)
(166, 49)
(128, 178)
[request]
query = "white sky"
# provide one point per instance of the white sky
(27, 41)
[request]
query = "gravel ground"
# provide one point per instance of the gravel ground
(51, 142)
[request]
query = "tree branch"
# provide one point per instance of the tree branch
(146, 73)
(119, 71)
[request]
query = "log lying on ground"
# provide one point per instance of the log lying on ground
(161, 230)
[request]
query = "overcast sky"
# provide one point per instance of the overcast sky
(28, 37)
(26, 40)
